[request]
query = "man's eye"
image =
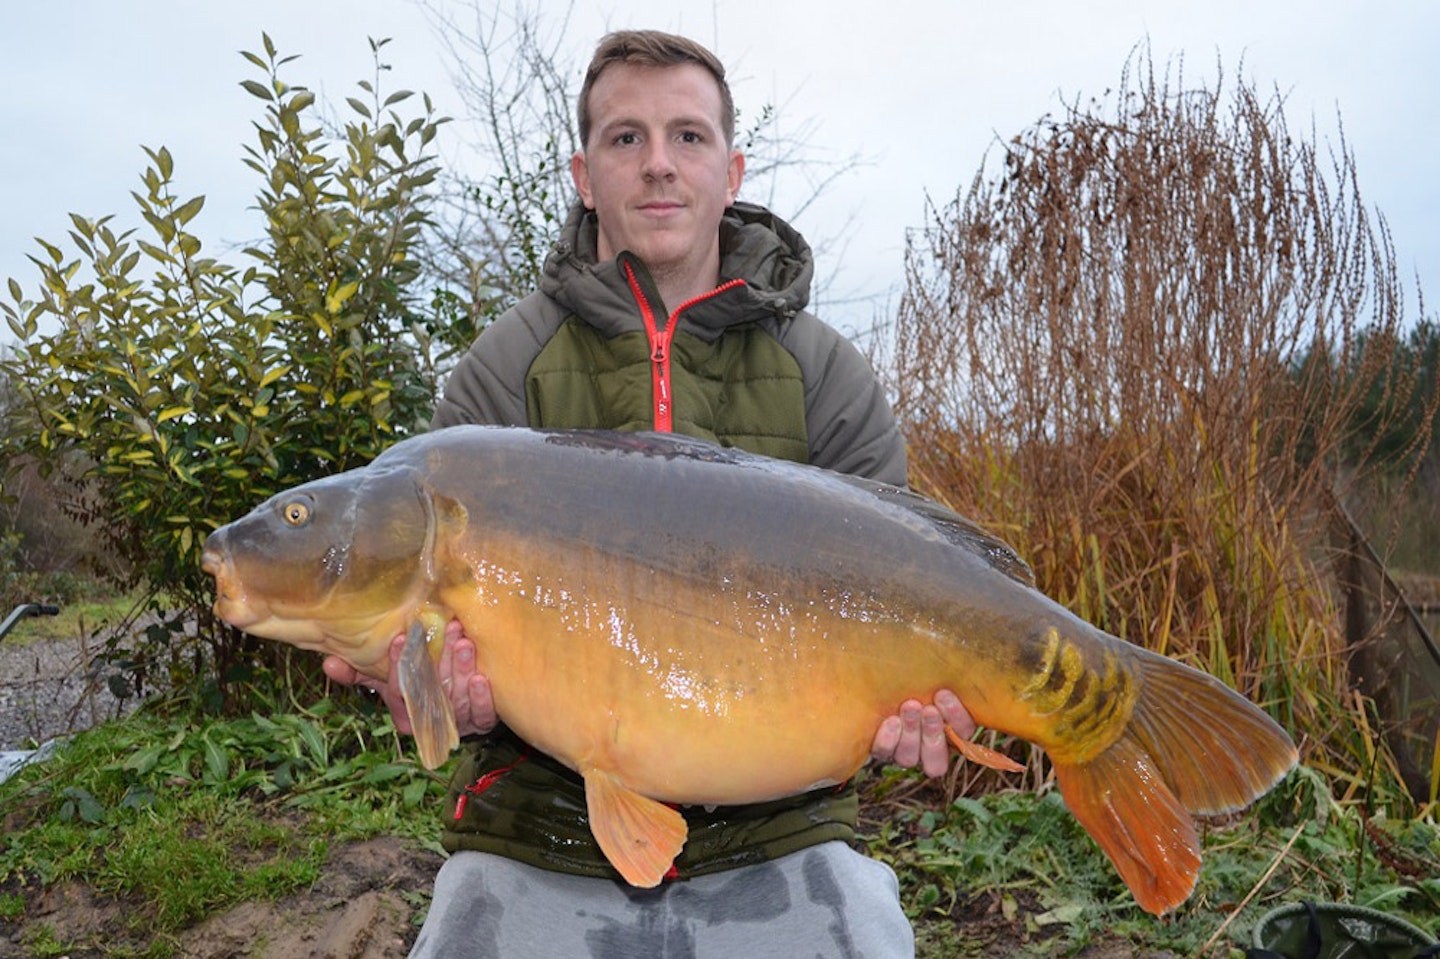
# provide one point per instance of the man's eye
(691, 136)
(627, 139)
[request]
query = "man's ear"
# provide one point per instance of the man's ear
(733, 175)
(580, 173)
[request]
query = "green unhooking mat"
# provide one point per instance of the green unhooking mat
(1308, 930)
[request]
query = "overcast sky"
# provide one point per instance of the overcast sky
(922, 87)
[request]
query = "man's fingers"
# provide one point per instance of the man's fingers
(482, 705)
(468, 691)
(887, 737)
(956, 716)
(934, 749)
(462, 661)
(907, 751)
(457, 680)
(340, 671)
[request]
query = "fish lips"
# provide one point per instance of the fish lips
(231, 604)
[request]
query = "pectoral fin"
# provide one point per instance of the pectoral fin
(640, 836)
(431, 717)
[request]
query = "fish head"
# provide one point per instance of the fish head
(338, 565)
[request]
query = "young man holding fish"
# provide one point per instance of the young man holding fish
(666, 305)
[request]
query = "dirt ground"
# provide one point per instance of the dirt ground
(363, 907)
(367, 905)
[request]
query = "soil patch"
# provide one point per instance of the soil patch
(366, 905)
(978, 926)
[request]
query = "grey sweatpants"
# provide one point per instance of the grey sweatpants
(825, 901)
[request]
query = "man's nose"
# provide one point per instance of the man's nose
(659, 164)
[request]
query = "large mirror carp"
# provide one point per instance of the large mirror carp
(686, 624)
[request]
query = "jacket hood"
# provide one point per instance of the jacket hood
(755, 246)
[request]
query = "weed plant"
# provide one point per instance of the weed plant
(1008, 866)
(1139, 351)
(187, 817)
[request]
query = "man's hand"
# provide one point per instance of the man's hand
(917, 734)
(468, 690)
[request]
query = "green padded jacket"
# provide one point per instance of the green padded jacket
(745, 366)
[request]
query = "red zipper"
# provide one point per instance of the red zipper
(660, 337)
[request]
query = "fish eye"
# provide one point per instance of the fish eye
(295, 513)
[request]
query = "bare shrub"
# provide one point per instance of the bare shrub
(1137, 351)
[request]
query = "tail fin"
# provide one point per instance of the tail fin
(1192, 745)
(1121, 800)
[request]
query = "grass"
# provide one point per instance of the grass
(1017, 866)
(81, 616)
(242, 809)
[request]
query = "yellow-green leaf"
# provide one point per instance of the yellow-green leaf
(173, 412)
(187, 211)
(337, 297)
(272, 375)
(258, 89)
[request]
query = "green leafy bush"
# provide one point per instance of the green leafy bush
(193, 388)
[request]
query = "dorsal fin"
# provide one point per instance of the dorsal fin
(958, 530)
(665, 445)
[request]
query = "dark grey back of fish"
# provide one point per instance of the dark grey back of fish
(706, 512)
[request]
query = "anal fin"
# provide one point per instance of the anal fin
(432, 719)
(640, 836)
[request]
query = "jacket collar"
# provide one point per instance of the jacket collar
(755, 246)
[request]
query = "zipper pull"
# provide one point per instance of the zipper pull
(660, 375)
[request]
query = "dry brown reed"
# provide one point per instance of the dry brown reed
(1120, 352)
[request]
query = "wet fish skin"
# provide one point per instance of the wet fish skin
(688, 624)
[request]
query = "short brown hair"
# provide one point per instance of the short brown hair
(652, 48)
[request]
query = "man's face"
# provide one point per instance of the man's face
(656, 170)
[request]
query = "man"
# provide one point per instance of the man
(666, 305)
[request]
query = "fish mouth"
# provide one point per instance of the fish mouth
(230, 602)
